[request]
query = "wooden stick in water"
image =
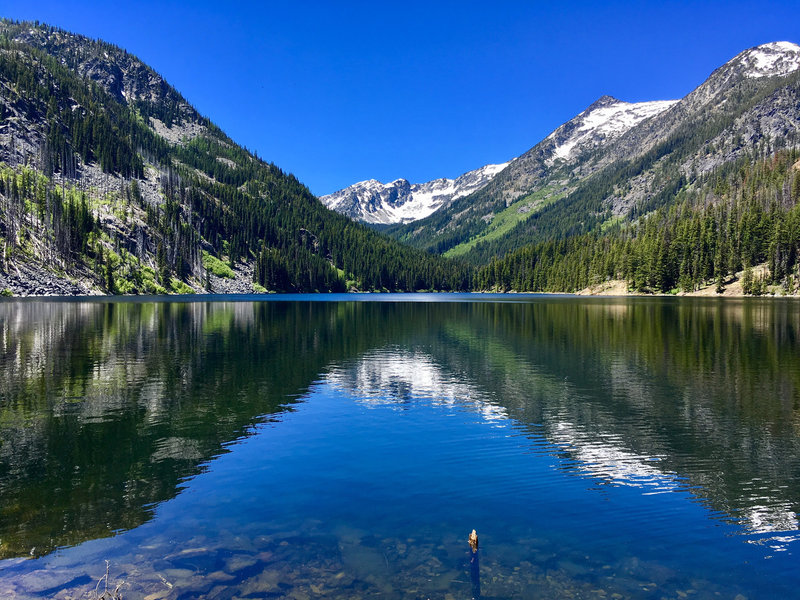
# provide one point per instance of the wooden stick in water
(474, 566)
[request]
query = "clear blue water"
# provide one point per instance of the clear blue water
(636, 448)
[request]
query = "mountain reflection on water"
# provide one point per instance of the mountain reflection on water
(108, 409)
(661, 395)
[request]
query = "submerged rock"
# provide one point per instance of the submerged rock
(238, 562)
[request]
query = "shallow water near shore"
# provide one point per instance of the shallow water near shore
(341, 447)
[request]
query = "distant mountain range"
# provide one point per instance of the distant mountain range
(402, 202)
(111, 182)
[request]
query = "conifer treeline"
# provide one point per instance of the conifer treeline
(746, 216)
(64, 219)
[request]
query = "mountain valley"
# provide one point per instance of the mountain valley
(111, 182)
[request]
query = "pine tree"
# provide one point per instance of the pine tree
(748, 284)
(110, 284)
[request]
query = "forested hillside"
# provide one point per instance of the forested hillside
(597, 170)
(744, 215)
(110, 182)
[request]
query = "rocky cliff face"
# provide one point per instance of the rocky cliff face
(121, 74)
(725, 94)
(747, 106)
(605, 120)
(593, 130)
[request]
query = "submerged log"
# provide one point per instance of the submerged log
(474, 566)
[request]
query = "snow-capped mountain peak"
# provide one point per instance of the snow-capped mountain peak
(608, 130)
(374, 202)
(605, 119)
(770, 60)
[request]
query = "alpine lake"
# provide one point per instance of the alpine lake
(345, 446)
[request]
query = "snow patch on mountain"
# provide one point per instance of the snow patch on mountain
(374, 202)
(606, 119)
(771, 60)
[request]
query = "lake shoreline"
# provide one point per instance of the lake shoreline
(610, 288)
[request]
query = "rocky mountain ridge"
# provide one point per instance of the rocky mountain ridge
(747, 106)
(604, 120)
(402, 202)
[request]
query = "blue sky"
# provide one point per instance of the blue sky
(337, 92)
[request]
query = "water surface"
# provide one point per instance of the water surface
(342, 447)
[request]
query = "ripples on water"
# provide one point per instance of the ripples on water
(646, 448)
